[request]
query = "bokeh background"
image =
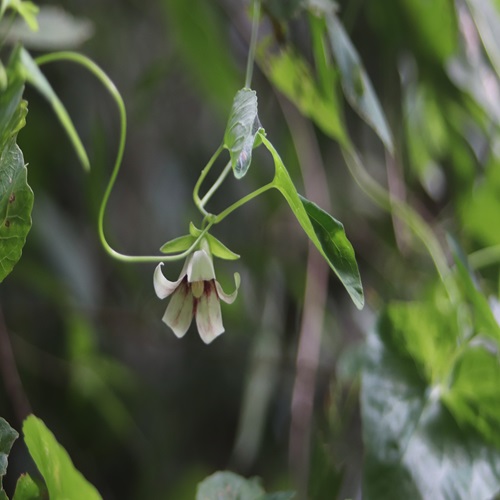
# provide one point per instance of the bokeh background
(143, 414)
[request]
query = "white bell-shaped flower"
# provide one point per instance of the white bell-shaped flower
(195, 293)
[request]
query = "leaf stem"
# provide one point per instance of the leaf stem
(253, 43)
(485, 257)
(196, 198)
(242, 201)
(115, 94)
(217, 183)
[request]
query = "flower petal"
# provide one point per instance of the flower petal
(228, 298)
(179, 312)
(164, 287)
(208, 314)
(200, 267)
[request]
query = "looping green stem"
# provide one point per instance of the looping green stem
(115, 94)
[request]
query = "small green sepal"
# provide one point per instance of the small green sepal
(179, 244)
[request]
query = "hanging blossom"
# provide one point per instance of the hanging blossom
(195, 293)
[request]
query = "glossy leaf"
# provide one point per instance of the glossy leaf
(16, 204)
(355, 82)
(241, 130)
(27, 489)
(413, 446)
(324, 231)
(33, 75)
(229, 486)
(7, 437)
(54, 463)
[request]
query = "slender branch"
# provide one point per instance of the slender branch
(253, 43)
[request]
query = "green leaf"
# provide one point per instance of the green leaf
(27, 489)
(33, 75)
(229, 486)
(16, 204)
(242, 127)
(179, 244)
(220, 250)
(413, 447)
(474, 397)
(7, 437)
(338, 249)
(483, 317)
(355, 82)
(57, 30)
(323, 230)
(62, 479)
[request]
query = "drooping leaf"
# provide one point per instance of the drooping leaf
(27, 489)
(413, 446)
(55, 465)
(7, 437)
(355, 82)
(227, 485)
(33, 75)
(16, 204)
(57, 30)
(241, 130)
(324, 231)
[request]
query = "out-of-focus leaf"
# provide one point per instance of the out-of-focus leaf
(27, 10)
(283, 11)
(27, 489)
(487, 19)
(425, 333)
(324, 480)
(241, 130)
(484, 320)
(414, 448)
(291, 75)
(7, 437)
(326, 233)
(62, 479)
(229, 486)
(57, 29)
(474, 397)
(33, 75)
(355, 82)
(198, 35)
